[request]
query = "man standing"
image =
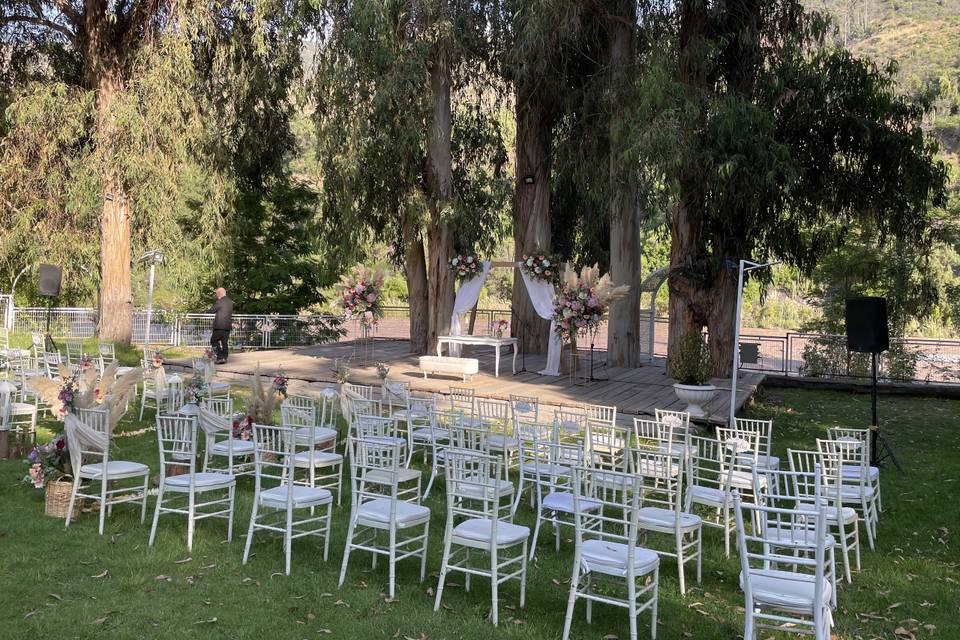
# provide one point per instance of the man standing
(222, 311)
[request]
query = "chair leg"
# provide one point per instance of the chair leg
(845, 550)
(656, 602)
(536, 534)
(392, 562)
(494, 586)
(346, 553)
(572, 597)
(326, 534)
(191, 511)
(143, 505)
(288, 542)
(233, 497)
(156, 515)
(632, 605)
(253, 520)
(423, 555)
(73, 499)
(444, 561)
(523, 575)
(103, 499)
(680, 563)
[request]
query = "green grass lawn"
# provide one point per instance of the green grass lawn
(72, 583)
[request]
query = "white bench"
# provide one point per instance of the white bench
(464, 367)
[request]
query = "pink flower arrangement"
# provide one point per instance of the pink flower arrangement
(242, 427)
(540, 265)
(464, 267)
(499, 327)
(582, 301)
(359, 293)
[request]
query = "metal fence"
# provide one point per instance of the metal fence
(785, 353)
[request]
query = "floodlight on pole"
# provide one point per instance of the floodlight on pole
(154, 257)
(745, 267)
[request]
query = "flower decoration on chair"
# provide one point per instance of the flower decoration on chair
(242, 426)
(209, 355)
(69, 394)
(464, 267)
(498, 328)
(280, 382)
(157, 360)
(48, 462)
(195, 389)
(540, 265)
(341, 370)
(86, 362)
(582, 301)
(359, 293)
(82, 390)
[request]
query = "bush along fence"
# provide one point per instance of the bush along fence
(789, 353)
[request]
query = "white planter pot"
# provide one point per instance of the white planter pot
(695, 396)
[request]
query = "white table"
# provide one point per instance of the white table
(482, 341)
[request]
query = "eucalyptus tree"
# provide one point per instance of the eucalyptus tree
(409, 146)
(785, 141)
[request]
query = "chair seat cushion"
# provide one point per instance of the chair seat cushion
(240, 447)
(848, 514)
(115, 469)
(709, 496)
(611, 558)
(384, 477)
(499, 443)
(481, 530)
(319, 434)
(203, 481)
(545, 469)
(376, 513)
(426, 434)
(319, 458)
(276, 497)
(786, 590)
(562, 501)
(851, 492)
(660, 519)
(852, 471)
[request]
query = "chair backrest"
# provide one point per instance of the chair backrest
(524, 408)
(651, 434)
(177, 440)
(4, 338)
(791, 539)
(223, 407)
(38, 342)
(294, 400)
(679, 419)
(841, 433)
(380, 458)
(363, 390)
(570, 421)
(607, 446)
(273, 456)
(551, 463)
(747, 442)
(328, 411)
(786, 489)
(711, 464)
(464, 400)
(292, 415)
(495, 414)
(850, 453)
(74, 350)
(469, 436)
(530, 430)
(51, 363)
(98, 419)
(107, 353)
(661, 478)
(616, 520)
(764, 429)
(472, 486)
(827, 466)
(396, 394)
(170, 398)
(369, 427)
(597, 413)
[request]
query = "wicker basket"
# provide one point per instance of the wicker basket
(56, 501)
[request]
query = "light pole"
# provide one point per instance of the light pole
(13, 292)
(154, 257)
(745, 266)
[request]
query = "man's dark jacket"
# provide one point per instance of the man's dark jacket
(222, 311)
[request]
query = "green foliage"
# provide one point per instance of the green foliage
(690, 362)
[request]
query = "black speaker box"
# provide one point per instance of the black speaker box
(48, 280)
(867, 325)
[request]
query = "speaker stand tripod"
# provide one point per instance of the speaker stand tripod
(880, 449)
(48, 344)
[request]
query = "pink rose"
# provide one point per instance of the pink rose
(371, 297)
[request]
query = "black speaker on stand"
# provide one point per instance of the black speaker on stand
(49, 277)
(867, 332)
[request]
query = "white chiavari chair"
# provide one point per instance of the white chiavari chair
(854, 471)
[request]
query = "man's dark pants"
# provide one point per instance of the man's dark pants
(218, 342)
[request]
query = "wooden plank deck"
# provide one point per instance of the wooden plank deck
(636, 391)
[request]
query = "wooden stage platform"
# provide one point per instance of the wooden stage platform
(633, 391)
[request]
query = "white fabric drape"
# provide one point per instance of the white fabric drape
(541, 295)
(467, 296)
(212, 424)
(82, 437)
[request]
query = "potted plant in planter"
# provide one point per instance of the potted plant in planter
(690, 365)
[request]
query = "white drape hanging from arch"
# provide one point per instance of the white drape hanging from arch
(541, 295)
(467, 296)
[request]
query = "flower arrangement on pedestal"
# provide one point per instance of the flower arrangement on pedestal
(499, 328)
(280, 382)
(359, 293)
(583, 301)
(464, 267)
(341, 370)
(540, 265)
(383, 370)
(194, 390)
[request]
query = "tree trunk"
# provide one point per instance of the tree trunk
(440, 195)
(116, 295)
(723, 309)
(623, 337)
(531, 212)
(415, 269)
(686, 312)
